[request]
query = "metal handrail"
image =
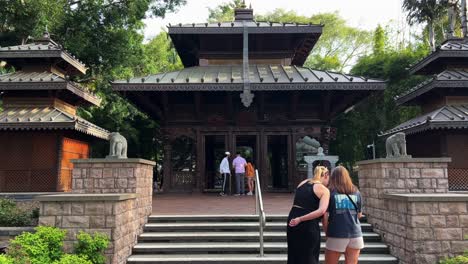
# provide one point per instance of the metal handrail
(259, 210)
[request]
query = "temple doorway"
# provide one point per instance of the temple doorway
(215, 147)
(277, 163)
(247, 146)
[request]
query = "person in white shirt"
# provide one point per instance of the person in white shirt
(226, 172)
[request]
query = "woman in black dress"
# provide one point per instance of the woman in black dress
(310, 203)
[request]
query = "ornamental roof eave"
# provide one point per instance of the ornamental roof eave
(446, 117)
(43, 49)
(236, 27)
(45, 81)
(47, 118)
(452, 48)
(454, 78)
(262, 78)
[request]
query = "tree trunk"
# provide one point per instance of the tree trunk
(431, 35)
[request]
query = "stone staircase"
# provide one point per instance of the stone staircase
(229, 239)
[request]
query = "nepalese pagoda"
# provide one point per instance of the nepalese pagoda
(243, 89)
(442, 129)
(40, 131)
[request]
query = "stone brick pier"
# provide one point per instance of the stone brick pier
(109, 196)
(408, 203)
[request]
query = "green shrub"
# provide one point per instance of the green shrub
(72, 259)
(11, 215)
(456, 260)
(5, 260)
(44, 246)
(92, 246)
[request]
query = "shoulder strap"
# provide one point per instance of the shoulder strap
(354, 204)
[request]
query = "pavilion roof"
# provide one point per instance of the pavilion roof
(259, 27)
(452, 78)
(446, 117)
(47, 118)
(41, 48)
(451, 52)
(262, 78)
(36, 81)
(267, 39)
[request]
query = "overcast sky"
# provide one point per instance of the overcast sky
(364, 14)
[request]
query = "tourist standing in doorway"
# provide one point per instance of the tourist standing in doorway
(239, 167)
(341, 222)
(310, 203)
(250, 175)
(226, 173)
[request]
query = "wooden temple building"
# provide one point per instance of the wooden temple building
(442, 129)
(243, 88)
(39, 128)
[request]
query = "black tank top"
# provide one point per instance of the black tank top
(306, 198)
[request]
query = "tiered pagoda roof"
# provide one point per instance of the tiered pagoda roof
(449, 66)
(47, 118)
(43, 48)
(45, 81)
(446, 117)
(39, 95)
(452, 53)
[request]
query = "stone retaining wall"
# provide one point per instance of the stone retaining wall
(7, 233)
(384, 176)
(108, 196)
(423, 228)
(115, 215)
(408, 204)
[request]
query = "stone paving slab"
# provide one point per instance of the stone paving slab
(209, 204)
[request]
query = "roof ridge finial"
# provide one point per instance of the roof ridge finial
(243, 5)
(46, 34)
(250, 5)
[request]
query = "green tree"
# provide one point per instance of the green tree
(378, 112)
(426, 11)
(224, 12)
(380, 40)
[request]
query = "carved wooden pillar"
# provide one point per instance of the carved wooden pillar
(200, 169)
(197, 107)
(295, 178)
(261, 105)
(229, 107)
(167, 166)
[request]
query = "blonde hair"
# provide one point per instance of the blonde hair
(341, 182)
(319, 171)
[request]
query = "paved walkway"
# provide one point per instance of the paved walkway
(206, 204)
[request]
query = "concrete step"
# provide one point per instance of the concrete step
(219, 218)
(223, 226)
(234, 248)
(241, 258)
(240, 236)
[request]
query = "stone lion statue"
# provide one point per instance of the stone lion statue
(307, 145)
(396, 146)
(118, 146)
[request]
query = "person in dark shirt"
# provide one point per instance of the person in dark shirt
(341, 222)
(303, 231)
